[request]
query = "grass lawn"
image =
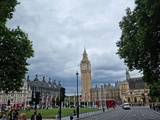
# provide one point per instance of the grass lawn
(50, 113)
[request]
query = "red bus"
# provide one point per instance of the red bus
(110, 103)
(107, 103)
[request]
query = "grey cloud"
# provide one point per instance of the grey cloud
(60, 30)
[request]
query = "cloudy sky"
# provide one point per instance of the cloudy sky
(60, 29)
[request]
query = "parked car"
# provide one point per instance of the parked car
(126, 106)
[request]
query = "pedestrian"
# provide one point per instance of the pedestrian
(10, 115)
(15, 115)
(71, 117)
(150, 105)
(74, 112)
(3, 117)
(40, 116)
(154, 107)
(107, 107)
(23, 116)
(35, 116)
(103, 109)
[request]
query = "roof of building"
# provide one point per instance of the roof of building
(137, 83)
(43, 83)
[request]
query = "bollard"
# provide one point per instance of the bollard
(103, 109)
(56, 117)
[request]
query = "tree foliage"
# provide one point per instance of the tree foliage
(15, 48)
(155, 92)
(139, 44)
(6, 9)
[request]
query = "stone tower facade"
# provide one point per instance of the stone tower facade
(134, 90)
(127, 75)
(85, 68)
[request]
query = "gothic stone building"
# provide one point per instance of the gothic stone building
(47, 89)
(134, 90)
(16, 99)
(105, 92)
(27, 93)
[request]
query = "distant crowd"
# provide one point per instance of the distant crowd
(14, 115)
(155, 107)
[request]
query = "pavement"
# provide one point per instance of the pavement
(156, 111)
(83, 115)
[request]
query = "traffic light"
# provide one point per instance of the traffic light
(34, 103)
(62, 93)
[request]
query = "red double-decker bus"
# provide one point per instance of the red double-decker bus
(109, 103)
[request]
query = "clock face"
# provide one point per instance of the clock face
(84, 66)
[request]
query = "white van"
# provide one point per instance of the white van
(126, 106)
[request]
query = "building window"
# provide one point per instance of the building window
(128, 99)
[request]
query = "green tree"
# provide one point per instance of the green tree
(139, 44)
(15, 49)
(6, 9)
(155, 92)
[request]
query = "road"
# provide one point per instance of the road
(137, 113)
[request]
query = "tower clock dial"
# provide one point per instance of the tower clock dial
(84, 66)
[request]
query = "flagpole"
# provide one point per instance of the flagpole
(74, 99)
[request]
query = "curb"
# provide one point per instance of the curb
(154, 111)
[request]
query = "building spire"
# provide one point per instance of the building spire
(36, 78)
(127, 75)
(85, 50)
(28, 78)
(85, 56)
(43, 79)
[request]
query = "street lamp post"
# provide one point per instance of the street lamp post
(77, 96)
(34, 96)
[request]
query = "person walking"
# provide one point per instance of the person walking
(40, 116)
(15, 115)
(10, 115)
(35, 116)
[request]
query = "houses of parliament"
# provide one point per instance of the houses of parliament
(131, 90)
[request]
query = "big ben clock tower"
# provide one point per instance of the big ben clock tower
(85, 68)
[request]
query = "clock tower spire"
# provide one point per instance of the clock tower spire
(85, 68)
(85, 56)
